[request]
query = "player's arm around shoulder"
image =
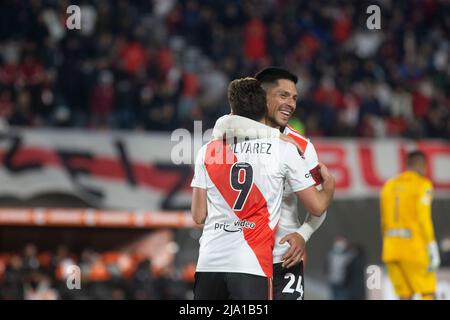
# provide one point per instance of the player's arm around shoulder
(325, 186)
(315, 202)
(297, 240)
(311, 222)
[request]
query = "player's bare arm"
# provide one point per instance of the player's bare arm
(199, 205)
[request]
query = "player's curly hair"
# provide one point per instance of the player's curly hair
(247, 98)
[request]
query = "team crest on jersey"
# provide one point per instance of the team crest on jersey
(237, 226)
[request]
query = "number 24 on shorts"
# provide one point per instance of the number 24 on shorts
(289, 286)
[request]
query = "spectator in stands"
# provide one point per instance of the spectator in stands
(140, 65)
(145, 283)
(12, 286)
(338, 259)
(30, 261)
(39, 288)
(346, 270)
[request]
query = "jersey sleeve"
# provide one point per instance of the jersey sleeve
(313, 163)
(425, 198)
(311, 156)
(312, 223)
(296, 170)
(309, 152)
(199, 179)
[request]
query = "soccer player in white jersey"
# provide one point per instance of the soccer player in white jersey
(291, 237)
(237, 194)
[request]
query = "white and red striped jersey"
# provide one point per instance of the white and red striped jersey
(289, 220)
(244, 183)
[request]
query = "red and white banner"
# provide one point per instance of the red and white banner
(96, 218)
(362, 166)
(131, 171)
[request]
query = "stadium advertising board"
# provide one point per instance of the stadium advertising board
(138, 171)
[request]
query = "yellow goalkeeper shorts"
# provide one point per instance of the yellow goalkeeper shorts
(410, 278)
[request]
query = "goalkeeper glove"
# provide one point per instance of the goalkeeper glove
(433, 253)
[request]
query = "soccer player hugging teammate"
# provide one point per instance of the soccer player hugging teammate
(237, 194)
(291, 236)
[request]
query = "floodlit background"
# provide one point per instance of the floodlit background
(87, 120)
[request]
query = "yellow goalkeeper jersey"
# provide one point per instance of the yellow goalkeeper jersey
(406, 222)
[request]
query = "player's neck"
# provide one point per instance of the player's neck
(410, 169)
(265, 121)
(268, 122)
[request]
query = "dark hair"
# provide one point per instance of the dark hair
(273, 74)
(247, 98)
(414, 156)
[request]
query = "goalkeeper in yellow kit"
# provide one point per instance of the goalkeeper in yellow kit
(410, 251)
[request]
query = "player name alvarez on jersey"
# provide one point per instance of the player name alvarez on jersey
(252, 147)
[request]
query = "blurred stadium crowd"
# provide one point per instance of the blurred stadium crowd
(112, 275)
(157, 65)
